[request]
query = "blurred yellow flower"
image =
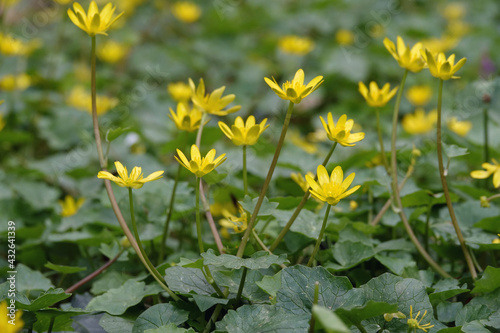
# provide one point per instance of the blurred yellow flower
(9, 3)
(111, 51)
(341, 133)
(69, 206)
(408, 58)
(11, 46)
(419, 95)
(135, 180)
(63, 2)
(186, 119)
(15, 82)
(443, 68)
(300, 180)
(242, 133)
(317, 136)
(442, 44)
(331, 189)
(454, 11)
(496, 240)
(457, 29)
(218, 208)
(414, 323)
(186, 11)
(375, 161)
(180, 91)
(490, 169)
(80, 99)
(295, 91)
(5, 326)
(2, 122)
(459, 127)
(344, 37)
(296, 139)
(230, 221)
(377, 97)
(198, 165)
(295, 44)
(419, 122)
(212, 103)
(353, 205)
(93, 22)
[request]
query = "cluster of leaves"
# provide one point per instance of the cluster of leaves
(364, 272)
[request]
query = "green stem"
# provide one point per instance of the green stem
(454, 221)
(154, 272)
(300, 206)
(395, 187)
(246, 236)
(320, 237)
(486, 143)
(245, 180)
(51, 324)
(312, 323)
(427, 227)
(198, 220)
(242, 284)
(169, 216)
(493, 197)
(381, 142)
(213, 318)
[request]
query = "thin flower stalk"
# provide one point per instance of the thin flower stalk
(245, 176)
(320, 237)
(381, 142)
(453, 217)
(251, 223)
(486, 142)
(198, 220)
(395, 188)
(154, 272)
(301, 205)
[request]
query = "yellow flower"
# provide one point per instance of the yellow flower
(238, 224)
(437, 45)
(135, 179)
(11, 46)
(198, 165)
(344, 37)
(496, 240)
(218, 208)
(353, 205)
(186, 11)
(295, 91)
(10, 324)
(419, 122)
(441, 67)
(331, 189)
(419, 95)
(185, 119)
(80, 99)
(414, 323)
(112, 51)
(242, 133)
(93, 22)
(300, 180)
(296, 139)
(180, 91)
(296, 45)
(377, 97)
(342, 132)
(70, 206)
(15, 82)
(456, 30)
(490, 169)
(409, 58)
(390, 316)
(454, 11)
(212, 103)
(459, 127)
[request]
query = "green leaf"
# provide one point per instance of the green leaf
(39, 195)
(454, 151)
(330, 322)
(214, 177)
(489, 281)
(117, 301)
(263, 319)
(112, 324)
(445, 289)
(169, 328)
(187, 280)
(489, 224)
(270, 284)
(113, 134)
(297, 289)
(28, 280)
(61, 320)
(159, 315)
(447, 312)
(266, 209)
(258, 260)
(64, 269)
(474, 327)
(480, 307)
(107, 281)
(307, 223)
(425, 198)
(45, 300)
(357, 314)
(348, 254)
(232, 279)
(205, 302)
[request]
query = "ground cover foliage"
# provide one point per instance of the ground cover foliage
(401, 252)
